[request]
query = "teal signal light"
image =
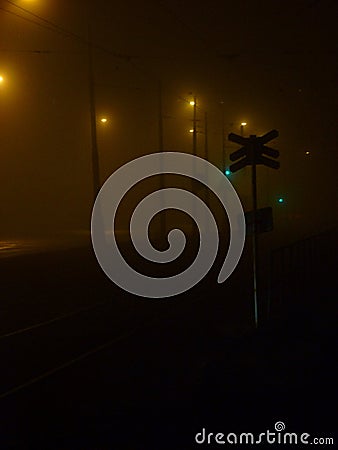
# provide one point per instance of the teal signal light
(227, 172)
(280, 200)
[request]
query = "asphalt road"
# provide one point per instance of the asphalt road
(85, 365)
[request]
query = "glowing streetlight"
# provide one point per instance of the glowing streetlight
(307, 153)
(104, 120)
(191, 130)
(1, 79)
(243, 124)
(192, 103)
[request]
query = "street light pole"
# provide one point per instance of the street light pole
(254, 229)
(194, 136)
(223, 138)
(206, 148)
(206, 155)
(242, 127)
(223, 141)
(160, 117)
(193, 103)
(161, 149)
(94, 150)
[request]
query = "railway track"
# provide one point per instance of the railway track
(32, 353)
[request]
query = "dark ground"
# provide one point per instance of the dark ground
(124, 373)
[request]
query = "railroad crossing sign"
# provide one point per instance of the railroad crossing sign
(254, 151)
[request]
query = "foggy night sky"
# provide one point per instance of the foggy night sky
(272, 63)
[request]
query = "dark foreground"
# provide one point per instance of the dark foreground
(116, 372)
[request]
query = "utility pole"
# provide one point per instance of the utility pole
(194, 143)
(194, 136)
(223, 139)
(206, 155)
(161, 149)
(242, 128)
(254, 226)
(206, 149)
(160, 118)
(94, 150)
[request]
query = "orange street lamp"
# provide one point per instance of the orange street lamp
(243, 124)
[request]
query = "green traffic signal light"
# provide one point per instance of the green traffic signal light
(227, 172)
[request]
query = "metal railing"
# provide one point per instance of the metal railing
(303, 272)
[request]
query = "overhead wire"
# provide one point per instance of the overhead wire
(52, 26)
(27, 19)
(37, 51)
(232, 56)
(46, 21)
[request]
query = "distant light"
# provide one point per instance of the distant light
(1, 79)
(191, 131)
(103, 120)
(227, 172)
(243, 124)
(192, 103)
(307, 153)
(281, 200)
